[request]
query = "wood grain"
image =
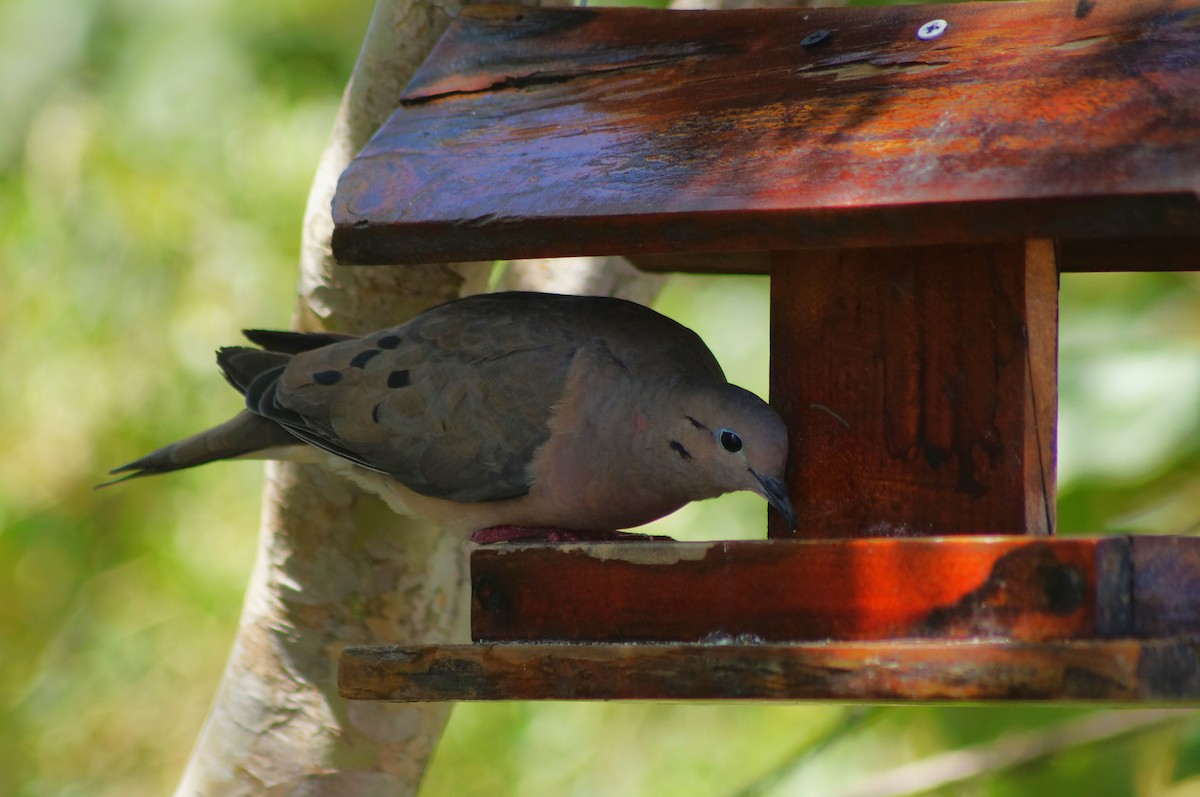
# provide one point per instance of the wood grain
(781, 591)
(919, 387)
(558, 132)
(1166, 584)
(1112, 671)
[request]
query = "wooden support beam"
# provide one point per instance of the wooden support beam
(1103, 254)
(555, 132)
(919, 386)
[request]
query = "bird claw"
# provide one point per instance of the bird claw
(497, 534)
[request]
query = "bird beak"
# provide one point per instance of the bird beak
(775, 492)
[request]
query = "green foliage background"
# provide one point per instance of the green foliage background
(154, 162)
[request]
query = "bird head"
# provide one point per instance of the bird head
(731, 440)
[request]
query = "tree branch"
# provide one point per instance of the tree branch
(1009, 752)
(335, 566)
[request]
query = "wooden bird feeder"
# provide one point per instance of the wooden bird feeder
(913, 179)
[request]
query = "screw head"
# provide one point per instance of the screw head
(932, 29)
(815, 38)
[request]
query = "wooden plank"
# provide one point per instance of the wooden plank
(783, 591)
(1110, 671)
(919, 387)
(554, 132)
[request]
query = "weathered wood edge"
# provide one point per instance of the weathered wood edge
(674, 239)
(1158, 671)
(1165, 584)
(1082, 256)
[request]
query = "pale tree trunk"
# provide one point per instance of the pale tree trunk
(335, 566)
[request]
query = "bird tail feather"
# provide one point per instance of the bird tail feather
(241, 364)
(253, 373)
(245, 433)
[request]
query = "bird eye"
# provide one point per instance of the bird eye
(730, 441)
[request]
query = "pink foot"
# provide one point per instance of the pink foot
(496, 534)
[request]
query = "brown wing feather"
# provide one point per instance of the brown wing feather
(456, 402)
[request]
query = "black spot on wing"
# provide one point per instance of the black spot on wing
(262, 399)
(363, 357)
(327, 377)
(695, 422)
(398, 379)
(678, 448)
(388, 342)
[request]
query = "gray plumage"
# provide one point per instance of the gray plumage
(512, 408)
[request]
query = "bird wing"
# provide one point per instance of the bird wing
(455, 403)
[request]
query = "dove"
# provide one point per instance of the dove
(504, 415)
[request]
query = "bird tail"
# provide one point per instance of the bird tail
(245, 433)
(251, 372)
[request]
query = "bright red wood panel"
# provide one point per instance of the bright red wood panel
(778, 591)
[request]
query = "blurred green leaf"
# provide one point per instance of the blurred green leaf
(154, 165)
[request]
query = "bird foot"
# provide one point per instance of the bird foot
(496, 534)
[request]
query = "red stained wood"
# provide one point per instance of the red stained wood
(595, 131)
(1116, 671)
(919, 388)
(783, 591)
